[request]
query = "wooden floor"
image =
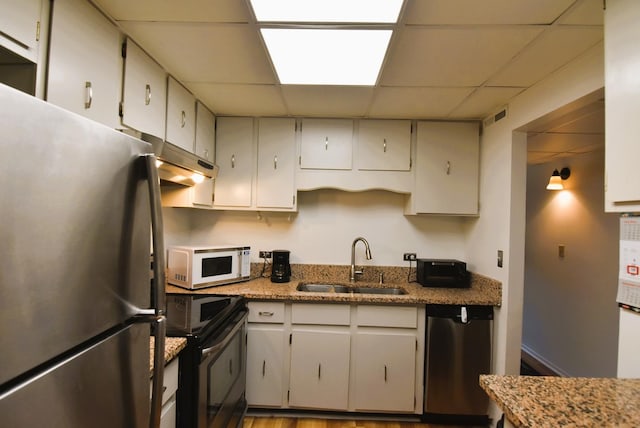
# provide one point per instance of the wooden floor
(280, 422)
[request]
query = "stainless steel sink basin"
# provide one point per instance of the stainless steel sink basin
(335, 288)
(379, 290)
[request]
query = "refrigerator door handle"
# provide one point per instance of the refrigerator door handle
(158, 372)
(157, 231)
(159, 302)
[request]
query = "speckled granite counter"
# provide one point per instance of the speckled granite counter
(540, 401)
(172, 347)
(483, 290)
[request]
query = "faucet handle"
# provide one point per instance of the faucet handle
(358, 272)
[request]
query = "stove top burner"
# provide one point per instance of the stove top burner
(194, 315)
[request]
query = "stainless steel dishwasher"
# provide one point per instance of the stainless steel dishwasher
(458, 350)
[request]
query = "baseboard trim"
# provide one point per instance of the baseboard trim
(538, 363)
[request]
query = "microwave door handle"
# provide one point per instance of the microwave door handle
(226, 338)
(159, 302)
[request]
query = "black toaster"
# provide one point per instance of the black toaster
(443, 273)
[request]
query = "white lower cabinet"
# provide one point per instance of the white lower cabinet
(170, 387)
(266, 346)
(319, 376)
(339, 357)
(385, 376)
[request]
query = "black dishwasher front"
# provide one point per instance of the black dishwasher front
(458, 350)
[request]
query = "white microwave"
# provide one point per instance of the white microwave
(207, 266)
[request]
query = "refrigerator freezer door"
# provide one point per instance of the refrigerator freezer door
(88, 389)
(74, 259)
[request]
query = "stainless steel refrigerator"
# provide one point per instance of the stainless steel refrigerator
(77, 204)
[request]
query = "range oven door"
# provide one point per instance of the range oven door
(222, 375)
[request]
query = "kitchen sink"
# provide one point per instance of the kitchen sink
(334, 288)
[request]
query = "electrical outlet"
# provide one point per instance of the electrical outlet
(265, 254)
(409, 257)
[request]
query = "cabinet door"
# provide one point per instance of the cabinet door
(85, 62)
(20, 21)
(384, 145)
(276, 163)
(326, 144)
(319, 375)
(181, 116)
(235, 157)
(622, 65)
(265, 362)
(205, 132)
(447, 168)
(385, 372)
(144, 94)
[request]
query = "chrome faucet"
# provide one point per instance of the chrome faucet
(367, 254)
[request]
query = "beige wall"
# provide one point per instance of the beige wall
(570, 319)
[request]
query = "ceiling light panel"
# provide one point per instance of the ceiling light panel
(333, 11)
(326, 57)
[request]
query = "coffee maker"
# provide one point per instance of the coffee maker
(281, 269)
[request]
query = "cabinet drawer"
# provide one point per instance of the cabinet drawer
(387, 316)
(266, 312)
(325, 314)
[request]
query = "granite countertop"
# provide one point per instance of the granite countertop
(483, 290)
(172, 347)
(543, 401)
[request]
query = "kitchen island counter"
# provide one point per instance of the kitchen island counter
(483, 290)
(545, 401)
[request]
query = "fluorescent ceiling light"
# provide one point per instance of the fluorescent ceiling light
(326, 57)
(353, 11)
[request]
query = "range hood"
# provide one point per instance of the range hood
(178, 165)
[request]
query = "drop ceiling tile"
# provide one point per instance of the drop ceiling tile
(560, 143)
(327, 101)
(240, 100)
(589, 124)
(549, 52)
(484, 101)
(456, 12)
(176, 11)
(589, 12)
(535, 158)
(416, 103)
(452, 57)
(221, 53)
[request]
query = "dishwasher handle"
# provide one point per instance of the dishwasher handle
(455, 312)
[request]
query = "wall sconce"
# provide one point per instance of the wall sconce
(555, 182)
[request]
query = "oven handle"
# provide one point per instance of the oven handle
(226, 337)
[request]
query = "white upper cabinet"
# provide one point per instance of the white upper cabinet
(326, 144)
(235, 157)
(181, 116)
(85, 62)
(622, 96)
(384, 145)
(205, 132)
(20, 26)
(276, 163)
(447, 168)
(144, 93)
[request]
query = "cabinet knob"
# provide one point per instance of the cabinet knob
(88, 95)
(384, 146)
(448, 168)
(147, 94)
(233, 161)
(326, 143)
(275, 162)
(183, 119)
